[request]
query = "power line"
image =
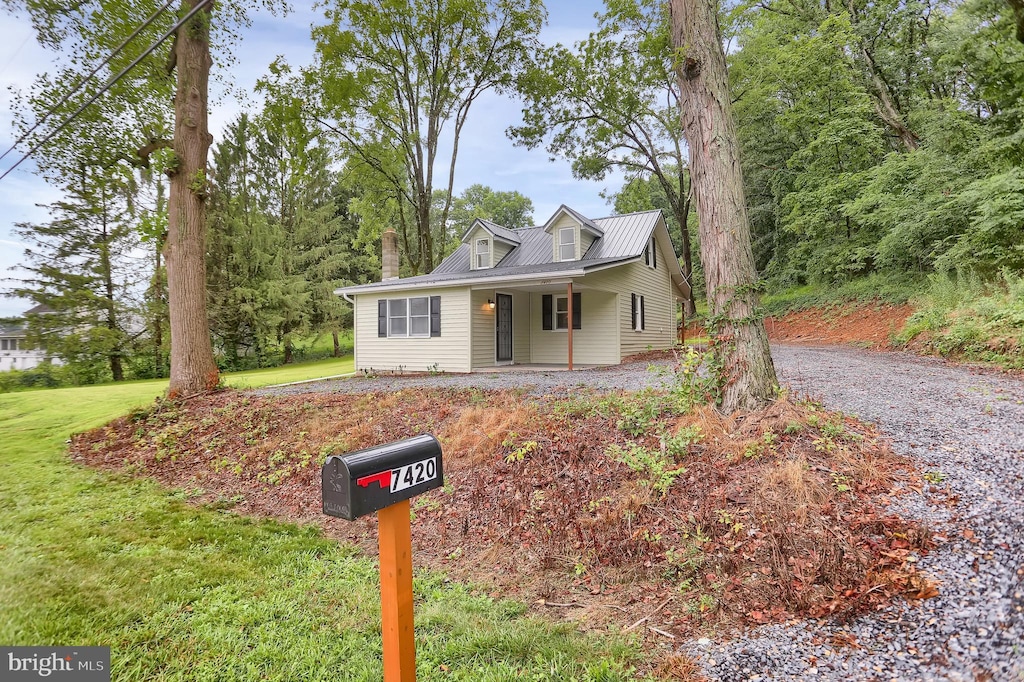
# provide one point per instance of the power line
(195, 10)
(82, 82)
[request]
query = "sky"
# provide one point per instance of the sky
(486, 156)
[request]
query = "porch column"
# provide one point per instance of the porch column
(570, 326)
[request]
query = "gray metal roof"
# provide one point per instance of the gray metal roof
(624, 239)
(495, 229)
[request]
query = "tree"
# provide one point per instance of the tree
(747, 378)
(79, 269)
(612, 103)
(647, 193)
(86, 31)
(193, 369)
(392, 76)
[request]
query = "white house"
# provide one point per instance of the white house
(574, 290)
(15, 353)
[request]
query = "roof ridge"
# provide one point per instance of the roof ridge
(623, 215)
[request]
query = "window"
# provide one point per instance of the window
(483, 254)
(8, 344)
(638, 313)
(418, 317)
(398, 321)
(567, 243)
(561, 312)
(651, 253)
(555, 312)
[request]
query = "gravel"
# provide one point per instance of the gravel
(965, 426)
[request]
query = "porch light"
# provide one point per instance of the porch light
(490, 304)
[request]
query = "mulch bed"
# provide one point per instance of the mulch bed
(776, 514)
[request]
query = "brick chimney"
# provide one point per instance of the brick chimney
(389, 254)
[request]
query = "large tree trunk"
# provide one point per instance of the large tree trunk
(193, 369)
(1018, 15)
(748, 377)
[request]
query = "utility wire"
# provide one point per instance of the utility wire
(195, 10)
(85, 80)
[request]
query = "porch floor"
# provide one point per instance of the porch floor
(534, 367)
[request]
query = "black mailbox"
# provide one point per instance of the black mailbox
(366, 481)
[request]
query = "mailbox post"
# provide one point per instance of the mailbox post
(383, 479)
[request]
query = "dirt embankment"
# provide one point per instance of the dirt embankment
(870, 325)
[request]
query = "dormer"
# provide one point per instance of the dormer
(572, 233)
(488, 243)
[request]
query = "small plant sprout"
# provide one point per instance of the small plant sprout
(934, 477)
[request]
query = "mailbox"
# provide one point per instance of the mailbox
(369, 480)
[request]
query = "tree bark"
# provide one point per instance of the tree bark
(1018, 16)
(337, 344)
(747, 379)
(193, 369)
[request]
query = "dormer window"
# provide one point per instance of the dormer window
(483, 254)
(567, 243)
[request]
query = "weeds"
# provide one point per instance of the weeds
(654, 466)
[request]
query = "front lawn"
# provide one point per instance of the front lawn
(182, 592)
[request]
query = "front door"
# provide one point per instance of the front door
(503, 324)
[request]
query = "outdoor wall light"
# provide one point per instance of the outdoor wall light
(490, 304)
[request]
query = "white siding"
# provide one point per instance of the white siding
(448, 352)
(485, 333)
(565, 221)
(482, 320)
(499, 251)
(660, 307)
(595, 344)
(521, 306)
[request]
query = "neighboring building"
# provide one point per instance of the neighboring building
(571, 291)
(15, 353)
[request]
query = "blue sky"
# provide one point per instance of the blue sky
(485, 156)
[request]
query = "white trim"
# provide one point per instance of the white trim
(544, 277)
(574, 243)
(476, 253)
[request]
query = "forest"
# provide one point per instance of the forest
(882, 151)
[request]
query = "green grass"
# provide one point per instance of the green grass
(875, 287)
(970, 318)
(187, 593)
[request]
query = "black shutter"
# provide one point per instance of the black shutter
(654, 250)
(382, 317)
(643, 315)
(577, 311)
(632, 312)
(435, 316)
(545, 312)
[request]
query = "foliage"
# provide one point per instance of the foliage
(397, 82)
(611, 103)
(880, 137)
(966, 316)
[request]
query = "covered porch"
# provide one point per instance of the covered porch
(557, 324)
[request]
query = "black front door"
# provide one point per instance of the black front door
(503, 324)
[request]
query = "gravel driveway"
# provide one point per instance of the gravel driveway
(967, 427)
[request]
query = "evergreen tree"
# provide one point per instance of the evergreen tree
(79, 268)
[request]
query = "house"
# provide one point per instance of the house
(15, 353)
(574, 290)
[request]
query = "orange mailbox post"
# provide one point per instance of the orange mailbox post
(383, 479)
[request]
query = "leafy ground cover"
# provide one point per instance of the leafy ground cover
(182, 591)
(968, 319)
(635, 511)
